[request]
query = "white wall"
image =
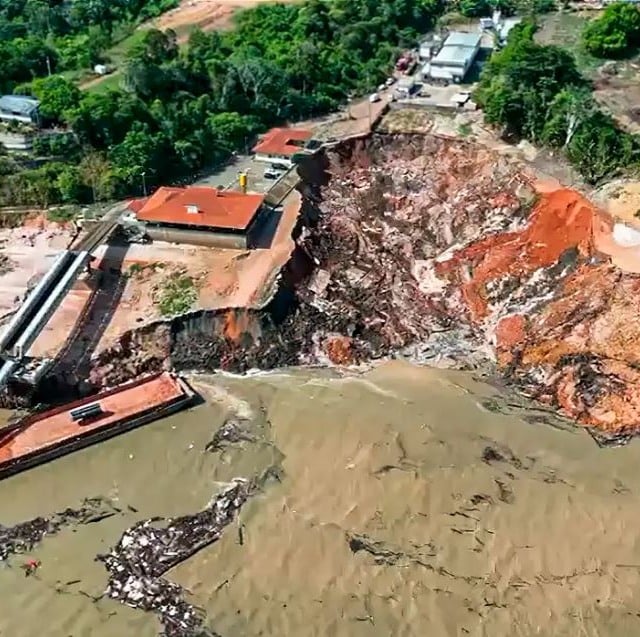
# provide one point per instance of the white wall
(274, 159)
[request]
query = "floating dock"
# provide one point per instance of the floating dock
(41, 437)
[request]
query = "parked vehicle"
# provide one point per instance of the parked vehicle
(374, 97)
(403, 63)
(271, 174)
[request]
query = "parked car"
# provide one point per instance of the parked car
(271, 174)
(390, 81)
(374, 97)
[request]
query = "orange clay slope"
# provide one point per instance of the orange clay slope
(577, 346)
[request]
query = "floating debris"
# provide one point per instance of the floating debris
(146, 551)
(22, 537)
(231, 432)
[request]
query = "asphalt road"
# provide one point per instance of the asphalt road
(228, 176)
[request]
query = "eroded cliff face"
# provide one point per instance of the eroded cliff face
(443, 251)
(563, 320)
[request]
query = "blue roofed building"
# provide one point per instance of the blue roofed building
(20, 108)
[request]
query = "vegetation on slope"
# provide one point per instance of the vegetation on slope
(616, 33)
(41, 36)
(535, 92)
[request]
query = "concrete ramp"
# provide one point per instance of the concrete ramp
(283, 187)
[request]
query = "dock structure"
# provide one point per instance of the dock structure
(42, 437)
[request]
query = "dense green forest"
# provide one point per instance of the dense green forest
(38, 36)
(536, 92)
(180, 109)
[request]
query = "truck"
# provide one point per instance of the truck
(406, 63)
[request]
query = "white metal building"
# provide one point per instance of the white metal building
(455, 58)
(19, 108)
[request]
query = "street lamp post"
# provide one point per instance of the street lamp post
(143, 174)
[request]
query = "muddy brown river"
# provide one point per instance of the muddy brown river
(404, 501)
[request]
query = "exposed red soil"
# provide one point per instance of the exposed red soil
(561, 220)
(339, 349)
(580, 349)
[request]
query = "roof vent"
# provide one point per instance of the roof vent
(192, 209)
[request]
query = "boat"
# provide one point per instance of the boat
(41, 437)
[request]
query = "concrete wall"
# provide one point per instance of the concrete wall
(197, 237)
(16, 141)
(283, 160)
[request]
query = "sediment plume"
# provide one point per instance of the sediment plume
(443, 251)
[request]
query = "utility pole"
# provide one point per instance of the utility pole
(48, 65)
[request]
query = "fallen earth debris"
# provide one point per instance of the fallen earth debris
(231, 432)
(147, 550)
(23, 537)
(441, 251)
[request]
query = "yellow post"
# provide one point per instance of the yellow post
(243, 182)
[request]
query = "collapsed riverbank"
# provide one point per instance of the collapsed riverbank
(439, 250)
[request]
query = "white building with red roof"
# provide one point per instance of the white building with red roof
(200, 215)
(279, 145)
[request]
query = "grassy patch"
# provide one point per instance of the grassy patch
(564, 29)
(136, 269)
(119, 51)
(116, 56)
(177, 295)
(104, 83)
(62, 214)
(464, 130)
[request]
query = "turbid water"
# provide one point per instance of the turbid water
(404, 501)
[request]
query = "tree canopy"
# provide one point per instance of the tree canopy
(38, 36)
(179, 109)
(616, 33)
(535, 92)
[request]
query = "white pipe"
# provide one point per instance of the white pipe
(5, 372)
(32, 299)
(48, 307)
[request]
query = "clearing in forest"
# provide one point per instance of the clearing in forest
(203, 14)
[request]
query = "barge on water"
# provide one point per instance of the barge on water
(41, 437)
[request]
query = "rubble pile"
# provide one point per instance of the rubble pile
(146, 551)
(393, 204)
(22, 537)
(440, 250)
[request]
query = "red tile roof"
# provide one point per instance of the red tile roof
(136, 205)
(215, 208)
(281, 141)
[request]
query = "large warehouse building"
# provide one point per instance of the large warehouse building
(454, 59)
